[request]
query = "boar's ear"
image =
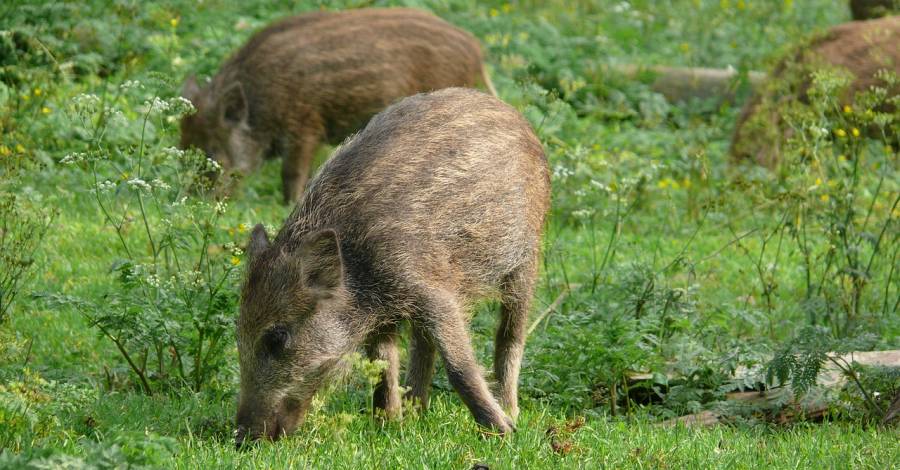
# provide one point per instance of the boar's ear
(321, 266)
(259, 241)
(233, 104)
(190, 90)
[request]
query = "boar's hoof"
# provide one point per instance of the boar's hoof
(502, 426)
(510, 425)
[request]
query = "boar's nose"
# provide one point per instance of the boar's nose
(240, 434)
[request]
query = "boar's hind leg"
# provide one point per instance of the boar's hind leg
(510, 340)
(382, 345)
(448, 329)
(296, 165)
(421, 367)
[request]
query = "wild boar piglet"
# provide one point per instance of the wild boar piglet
(319, 77)
(439, 202)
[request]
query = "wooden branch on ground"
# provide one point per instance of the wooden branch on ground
(686, 83)
(553, 306)
(831, 377)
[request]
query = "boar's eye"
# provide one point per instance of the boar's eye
(276, 340)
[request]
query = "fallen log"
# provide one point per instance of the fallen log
(679, 84)
(782, 399)
(703, 418)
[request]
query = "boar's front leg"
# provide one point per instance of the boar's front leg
(296, 165)
(382, 346)
(444, 319)
(421, 367)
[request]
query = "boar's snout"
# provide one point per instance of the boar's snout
(252, 424)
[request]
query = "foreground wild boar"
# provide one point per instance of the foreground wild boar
(319, 77)
(437, 203)
(863, 48)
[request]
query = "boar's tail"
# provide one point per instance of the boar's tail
(486, 80)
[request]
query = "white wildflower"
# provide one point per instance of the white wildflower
(86, 102)
(73, 158)
(106, 186)
(583, 213)
(220, 207)
(160, 184)
(180, 102)
(598, 185)
(173, 152)
(130, 84)
(156, 105)
(139, 184)
(152, 280)
(562, 172)
(233, 248)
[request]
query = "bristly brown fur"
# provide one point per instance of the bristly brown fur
(319, 77)
(437, 203)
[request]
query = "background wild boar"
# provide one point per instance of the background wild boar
(861, 47)
(318, 77)
(869, 9)
(438, 202)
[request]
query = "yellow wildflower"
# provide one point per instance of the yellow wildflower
(686, 182)
(818, 181)
(840, 133)
(235, 261)
(507, 8)
(685, 47)
(45, 110)
(848, 109)
(5, 151)
(824, 198)
(241, 228)
(494, 12)
(37, 92)
(741, 5)
(855, 132)
(19, 148)
(125, 175)
(842, 158)
(174, 22)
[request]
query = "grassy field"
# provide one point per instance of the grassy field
(679, 262)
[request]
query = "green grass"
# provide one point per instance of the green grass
(700, 236)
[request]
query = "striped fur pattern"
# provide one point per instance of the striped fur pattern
(438, 203)
(318, 77)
